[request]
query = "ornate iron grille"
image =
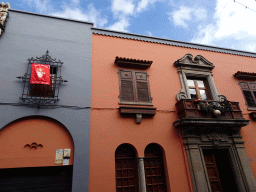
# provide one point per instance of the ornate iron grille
(37, 95)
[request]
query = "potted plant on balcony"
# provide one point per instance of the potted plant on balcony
(216, 108)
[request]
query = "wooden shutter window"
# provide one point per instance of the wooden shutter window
(126, 169)
(134, 86)
(249, 92)
(154, 169)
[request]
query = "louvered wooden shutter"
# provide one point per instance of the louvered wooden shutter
(127, 87)
(142, 86)
(249, 91)
(134, 86)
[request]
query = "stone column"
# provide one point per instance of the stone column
(141, 175)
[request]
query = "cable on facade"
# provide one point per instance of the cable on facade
(44, 106)
(71, 107)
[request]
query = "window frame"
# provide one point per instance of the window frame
(135, 89)
(197, 88)
(202, 75)
(45, 90)
(38, 100)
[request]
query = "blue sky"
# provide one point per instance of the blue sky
(221, 23)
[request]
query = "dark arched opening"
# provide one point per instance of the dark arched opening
(126, 169)
(154, 169)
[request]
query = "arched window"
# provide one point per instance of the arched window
(126, 169)
(154, 169)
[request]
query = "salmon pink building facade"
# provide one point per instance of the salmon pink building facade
(170, 116)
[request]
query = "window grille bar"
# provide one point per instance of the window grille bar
(40, 94)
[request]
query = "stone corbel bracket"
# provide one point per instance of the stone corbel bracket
(3, 16)
(137, 111)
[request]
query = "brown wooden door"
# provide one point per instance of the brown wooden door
(126, 175)
(154, 169)
(126, 169)
(154, 172)
(213, 173)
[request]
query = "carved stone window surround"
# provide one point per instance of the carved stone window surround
(197, 68)
(197, 74)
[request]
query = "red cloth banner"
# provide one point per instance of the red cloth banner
(40, 74)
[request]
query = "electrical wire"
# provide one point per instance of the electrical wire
(246, 7)
(44, 106)
(70, 107)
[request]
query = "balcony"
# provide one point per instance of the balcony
(209, 113)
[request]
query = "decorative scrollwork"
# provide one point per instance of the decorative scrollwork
(181, 95)
(45, 58)
(37, 95)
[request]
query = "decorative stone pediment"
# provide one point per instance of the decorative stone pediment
(198, 62)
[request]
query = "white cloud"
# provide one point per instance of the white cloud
(149, 33)
(232, 27)
(70, 10)
(123, 6)
(185, 14)
(205, 34)
(120, 25)
(143, 4)
(41, 6)
(71, 13)
(91, 15)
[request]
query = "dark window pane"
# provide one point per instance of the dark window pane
(254, 92)
(249, 99)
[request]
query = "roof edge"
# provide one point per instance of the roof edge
(171, 42)
(50, 16)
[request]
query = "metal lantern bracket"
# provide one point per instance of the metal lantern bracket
(42, 95)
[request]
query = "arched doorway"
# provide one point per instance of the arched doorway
(37, 154)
